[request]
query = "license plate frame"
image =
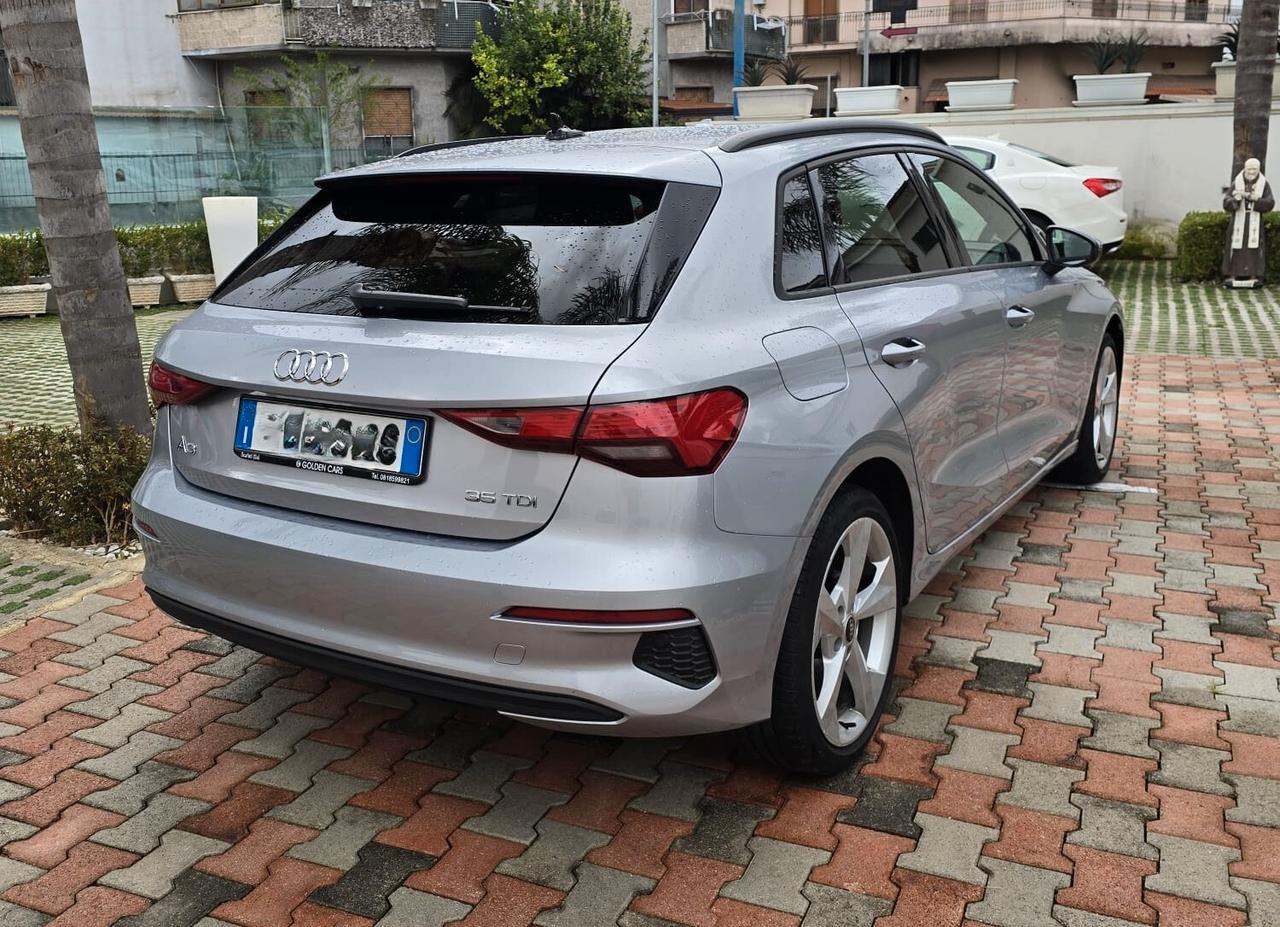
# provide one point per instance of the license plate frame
(410, 447)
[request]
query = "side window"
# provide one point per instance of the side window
(799, 239)
(876, 223)
(989, 231)
(983, 160)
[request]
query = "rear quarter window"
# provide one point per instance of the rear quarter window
(554, 249)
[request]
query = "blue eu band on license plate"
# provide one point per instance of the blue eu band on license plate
(340, 442)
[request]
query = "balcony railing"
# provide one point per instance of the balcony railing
(194, 6)
(847, 28)
(456, 23)
(765, 37)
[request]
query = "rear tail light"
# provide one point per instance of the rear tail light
(169, 387)
(679, 436)
(1103, 186)
(524, 429)
(597, 616)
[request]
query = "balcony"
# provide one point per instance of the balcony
(987, 23)
(236, 28)
(709, 34)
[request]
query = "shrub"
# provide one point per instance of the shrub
(145, 250)
(1201, 238)
(21, 258)
(73, 489)
(1141, 244)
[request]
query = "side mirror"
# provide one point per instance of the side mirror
(1069, 249)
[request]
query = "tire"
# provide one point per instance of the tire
(818, 659)
(1092, 458)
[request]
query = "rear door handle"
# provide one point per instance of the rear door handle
(1018, 316)
(902, 352)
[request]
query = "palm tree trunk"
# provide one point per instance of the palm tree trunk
(1256, 61)
(46, 61)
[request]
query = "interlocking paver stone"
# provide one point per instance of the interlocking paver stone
(599, 896)
(1186, 766)
(1017, 895)
(678, 792)
(723, 830)
(411, 908)
(513, 818)
(338, 846)
(1192, 869)
(979, 751)
(365, 888)
(141, 833)
(153, 875)
(949, 849)
(1120, 733)
(776, 875)
(1114, 826)
(1042, 787)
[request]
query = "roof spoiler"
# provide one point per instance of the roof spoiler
(770, 135)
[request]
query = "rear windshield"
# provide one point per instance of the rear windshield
(562, 250)
(1052, 159)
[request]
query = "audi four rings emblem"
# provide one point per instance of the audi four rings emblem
(311, 367)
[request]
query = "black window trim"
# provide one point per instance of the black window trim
(955, 266)
(1018, 215)
(799, 170)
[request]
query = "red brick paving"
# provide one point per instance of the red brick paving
(1206, 450)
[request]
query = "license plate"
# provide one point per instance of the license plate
(341, 442)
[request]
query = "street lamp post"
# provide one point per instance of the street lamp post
(653, 40)
(866, 45)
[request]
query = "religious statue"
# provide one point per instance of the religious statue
(1244, 258)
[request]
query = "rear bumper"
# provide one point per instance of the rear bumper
(387, 675)
(423, 613)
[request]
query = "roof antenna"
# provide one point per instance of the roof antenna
(559, 132)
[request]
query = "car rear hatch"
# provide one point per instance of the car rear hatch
(381, 358)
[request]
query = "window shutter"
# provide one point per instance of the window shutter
(388, 112)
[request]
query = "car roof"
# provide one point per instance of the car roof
(682, 153)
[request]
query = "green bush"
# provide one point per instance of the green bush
(145, 250)
(1141, 244)
(21, 258)
(1201, 238)
(72, 489)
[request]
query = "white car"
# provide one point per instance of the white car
(1053, 191)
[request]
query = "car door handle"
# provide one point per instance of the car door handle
(902, 352)
(1018, 316)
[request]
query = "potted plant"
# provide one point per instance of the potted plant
(1224, 71)
(1103, 89)
(21, 258)
(141, 253)
(967, 95)
(190, 266)
(788, 100)
(868, 101)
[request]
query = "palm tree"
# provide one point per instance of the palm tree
(1256, 63)
(46, 62)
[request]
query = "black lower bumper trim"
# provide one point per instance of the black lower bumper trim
(388, 675)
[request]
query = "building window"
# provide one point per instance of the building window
(821, 21)
(689, 6)
(1106, 9)
(901, 68)
(387, 116)
(968, 11)
(696, 94)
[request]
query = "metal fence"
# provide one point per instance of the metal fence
(146, 186)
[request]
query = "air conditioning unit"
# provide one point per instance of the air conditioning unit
(722, 16)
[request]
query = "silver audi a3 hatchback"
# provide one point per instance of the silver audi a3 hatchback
(642, 432)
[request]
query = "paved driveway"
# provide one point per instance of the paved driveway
(1084, 734)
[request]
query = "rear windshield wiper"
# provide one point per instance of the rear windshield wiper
(390, 303)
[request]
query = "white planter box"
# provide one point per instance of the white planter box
(1111, 89)
(968, 95)
(1224, 76)
(30, 299)
(868, 101)
(776, 101)
(191, 288)
(144, 292)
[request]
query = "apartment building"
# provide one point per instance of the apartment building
(922, 44)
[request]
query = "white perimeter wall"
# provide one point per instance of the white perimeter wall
(132, 55)
(1175, 157)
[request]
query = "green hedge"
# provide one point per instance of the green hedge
(1201, 238)
(56, 483)
(145, 250)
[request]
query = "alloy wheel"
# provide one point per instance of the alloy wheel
(853, 631)
(1106, 407)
